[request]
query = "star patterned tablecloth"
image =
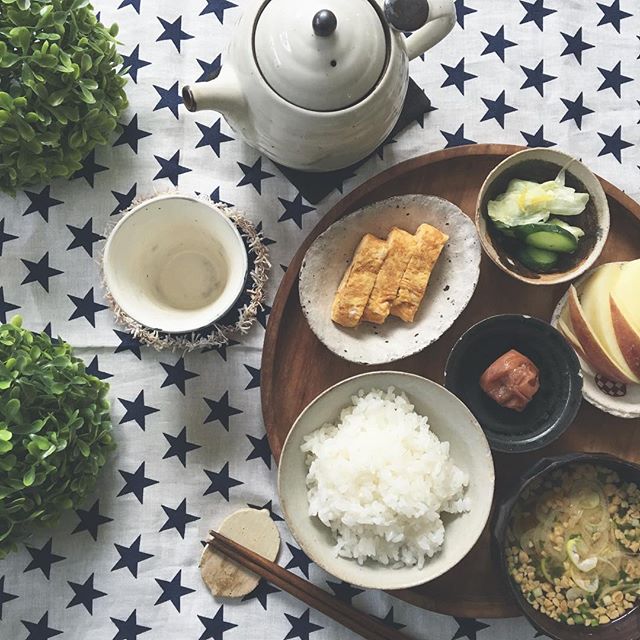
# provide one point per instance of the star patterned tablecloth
(192, 446)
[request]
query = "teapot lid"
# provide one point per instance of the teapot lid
(321, 55)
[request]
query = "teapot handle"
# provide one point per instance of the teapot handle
(442, 19)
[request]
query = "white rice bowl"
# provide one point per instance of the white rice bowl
(380, 479)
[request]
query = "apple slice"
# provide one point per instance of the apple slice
(627, 336)
(567, 331)
(595, 298)
(593, 350)
(626, 293)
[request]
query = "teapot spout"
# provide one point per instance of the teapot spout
(222, 94)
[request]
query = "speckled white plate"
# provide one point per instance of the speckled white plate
(614, 398)
(451, 286)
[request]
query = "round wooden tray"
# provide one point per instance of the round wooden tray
(296, 367)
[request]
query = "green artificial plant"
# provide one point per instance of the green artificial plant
(55, 431)
(61, 88)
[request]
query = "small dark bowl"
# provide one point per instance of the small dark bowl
(551, 410)
(627, 627)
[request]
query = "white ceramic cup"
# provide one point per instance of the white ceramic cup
(175, 263)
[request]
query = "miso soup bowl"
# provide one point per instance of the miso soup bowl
(175, 263)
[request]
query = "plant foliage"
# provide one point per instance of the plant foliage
(55, 431)
(60, 89)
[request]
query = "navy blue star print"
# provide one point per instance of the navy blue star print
(5, 306)
(537, 139)
(254, 383)
(456, 139)
(254, 175)
(212, 136)
(575, 45)
(169, 99)
(43, 558)
(177, 375)
(261, 450)
(90, 520)
(4, 236)
(173, 590)
(6, 597)
(612, 14)
(210, 70)
(129, 629)
(299, 560)
(135, 483)
(497, 109)
(86, 307)
(179, 446)
(221, 482)
(301, 627)
(128, 343)
(294, 210)
(536, 78)
(130, 557)
(468, 628)
(265, 241)
(263, 314)
(41, 202)
(613, 79)
(130, 3)
(40, 272)
(269, 507)
(89, 169)
(217, 7)
(170, 168)
(344, 591)
(388, 620)
(131, 134)
(133, 63)
(93, 369)
(85, 594)
(614, 144)
(576, 110)
(84, 237)
(178, 518)
(124, 199)
(535, 12)
(497, 43)
(462, 11)
(457, 76)
(221, 410)
(261, 593)
(136, 410)
(173, 31)
(215, 627)
(40, 630)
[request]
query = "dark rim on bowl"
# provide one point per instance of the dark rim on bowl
(568, 402)
(627, 626)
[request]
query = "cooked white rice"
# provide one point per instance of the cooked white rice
(379, 478)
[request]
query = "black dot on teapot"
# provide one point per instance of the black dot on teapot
(406, 15)
(324, 23)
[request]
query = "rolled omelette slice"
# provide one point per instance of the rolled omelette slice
(429, 244)
(354, 290)
(401, 246)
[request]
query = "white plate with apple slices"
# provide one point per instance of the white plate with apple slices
(600, 317)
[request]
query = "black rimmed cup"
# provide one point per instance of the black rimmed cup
(627, 627)
(551, 410)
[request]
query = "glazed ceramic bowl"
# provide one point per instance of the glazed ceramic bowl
(449, 419)
(540, 165)
(551, 410)
(175, 263)
(624, 628)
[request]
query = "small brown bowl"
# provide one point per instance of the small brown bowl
(541, 165)
(627, 627)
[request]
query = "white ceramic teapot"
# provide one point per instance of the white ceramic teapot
(318, 85)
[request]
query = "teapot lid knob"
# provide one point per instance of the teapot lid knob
(406, 15)
(324, 23)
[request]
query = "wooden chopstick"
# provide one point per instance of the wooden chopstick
(361, 623)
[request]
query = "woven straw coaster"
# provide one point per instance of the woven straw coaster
(238, 321)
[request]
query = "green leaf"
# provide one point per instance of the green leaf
(5, 435)
(84, 448)
(23, 4)
(6, 101)
(29, 477)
